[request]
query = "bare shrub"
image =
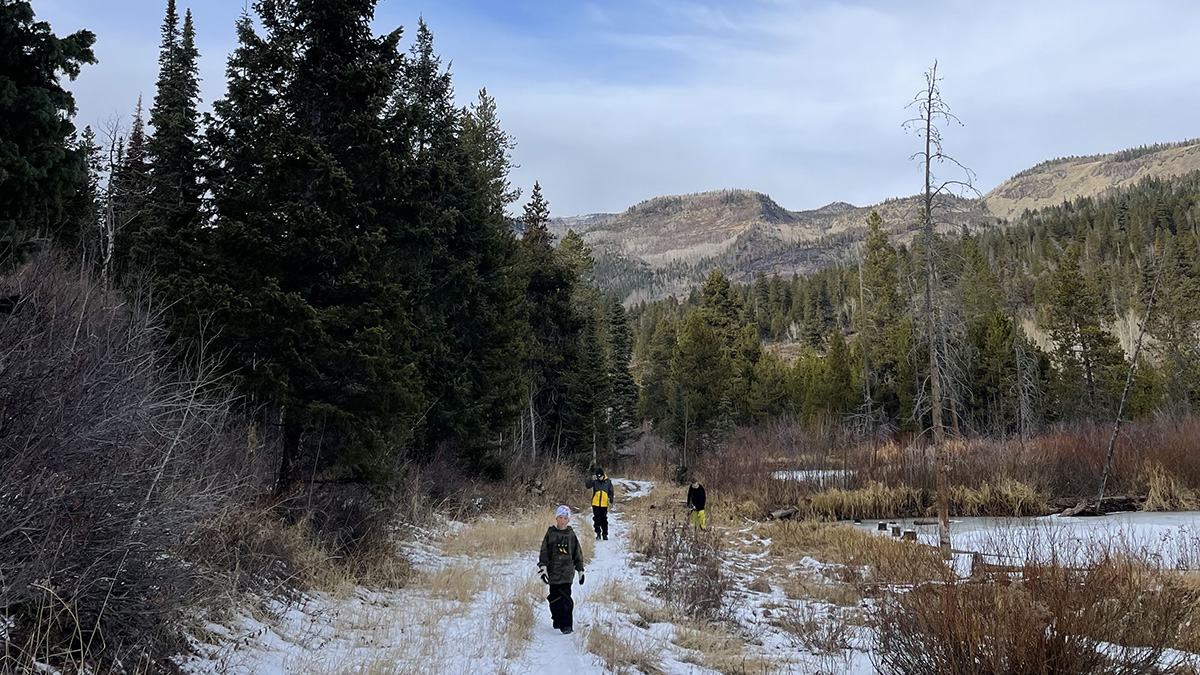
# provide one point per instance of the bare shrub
(110, 460)
(813, 628)
(686, 566)
(624, 652)
(1115, 617)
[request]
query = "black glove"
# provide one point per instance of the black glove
(581, 578)
(543, 575)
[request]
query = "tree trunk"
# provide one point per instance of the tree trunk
(935, 381)
(532, 428)
(1112, 441)
(292, 432)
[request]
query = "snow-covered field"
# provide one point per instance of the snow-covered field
(1172, 540)
(480, 614)
(418, 630)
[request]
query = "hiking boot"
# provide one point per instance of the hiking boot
(605, 536)
(597, 536)
(567, 631)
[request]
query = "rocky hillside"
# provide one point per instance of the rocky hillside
(667, 245)
(1065, 179)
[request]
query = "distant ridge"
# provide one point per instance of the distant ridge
(1052, 182)
(666, 245)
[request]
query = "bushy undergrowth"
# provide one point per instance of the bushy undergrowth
(686, 568)
(1118, 616)
(1157, 460)
(110, 461)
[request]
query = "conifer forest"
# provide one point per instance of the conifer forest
(311, 343)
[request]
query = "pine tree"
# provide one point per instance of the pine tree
(1088, 357)
(551, 350)
(700, 379)
(624, 389)
(41, 166)
(166, 244)
(721, 308)
(301, 289)
(654, 403)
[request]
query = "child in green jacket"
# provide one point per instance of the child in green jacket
(560, 558)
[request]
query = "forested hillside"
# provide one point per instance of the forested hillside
(1044, 317)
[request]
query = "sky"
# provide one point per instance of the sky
(615, 102)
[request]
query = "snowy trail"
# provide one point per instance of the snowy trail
(416, 631)
(551, 652)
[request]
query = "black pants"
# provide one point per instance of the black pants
(561, 606)
(600, 520)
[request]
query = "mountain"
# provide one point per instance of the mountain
(667, 245)
(1067, 178)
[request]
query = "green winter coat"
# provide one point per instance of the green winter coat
(561, 555)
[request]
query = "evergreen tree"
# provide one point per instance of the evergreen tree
(551, 352)
(624, 390)
(654, 404)
(166, 244)
(41, 166)
(721, 308)
(700, 379)
(302, 297)
(1089, 359)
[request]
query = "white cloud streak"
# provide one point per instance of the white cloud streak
(802, 100)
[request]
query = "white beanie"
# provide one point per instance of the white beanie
(562, 511)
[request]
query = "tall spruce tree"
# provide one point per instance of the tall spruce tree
(41, 166)
(624, 389)
(166, 243)
(300, 289)
(468, 307)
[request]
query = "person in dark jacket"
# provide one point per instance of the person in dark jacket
(560, 558)
(696, 497)
(602, 496)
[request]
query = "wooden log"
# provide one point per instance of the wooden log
(1075, 510)
(882, 526)
(925, 521)
(895, 530)
(784, 513)
(909, 535)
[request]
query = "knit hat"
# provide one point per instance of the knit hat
(562, 511)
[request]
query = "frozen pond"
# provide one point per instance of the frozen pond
(1169, 539)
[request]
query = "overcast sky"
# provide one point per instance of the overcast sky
(619, 101)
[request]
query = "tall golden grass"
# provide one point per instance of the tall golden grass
(1157, 460)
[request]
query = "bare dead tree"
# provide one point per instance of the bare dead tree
(932, 110)
(1137, 350)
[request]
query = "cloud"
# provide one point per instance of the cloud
(615, 102)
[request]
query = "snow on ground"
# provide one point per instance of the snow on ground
(415, 631)
(435, 629)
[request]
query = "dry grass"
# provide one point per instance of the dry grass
(806, 587)
(1053, 619)
(863, 557)
(718, 650)
(624, 650)
(515, 617)
(1168, 493)
(819, 630)
(459, 582)
(252, 549)
(513, 534)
